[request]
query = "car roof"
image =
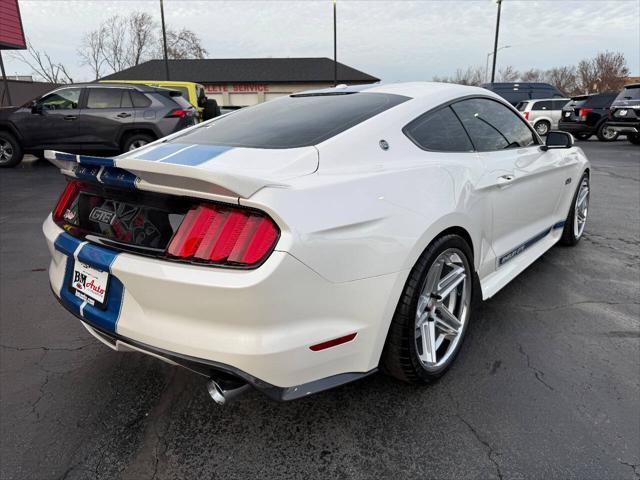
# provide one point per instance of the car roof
(138, 86)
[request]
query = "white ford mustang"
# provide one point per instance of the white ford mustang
(311, 240)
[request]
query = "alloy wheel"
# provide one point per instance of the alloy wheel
(608, 133)
(137, 144)
(542, 128)
(6, 151)
(443, 309)
(581, 208)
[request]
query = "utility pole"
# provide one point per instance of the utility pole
(164, 42)
(495, 44)
(335, 47)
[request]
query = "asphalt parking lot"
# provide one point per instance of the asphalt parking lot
(547, 384)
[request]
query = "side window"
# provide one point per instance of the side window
(542, 106)
(65, 99)
(104, 97)
(493, 126)
(440, 130)
(140, 100)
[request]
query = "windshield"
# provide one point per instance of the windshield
(294, 121)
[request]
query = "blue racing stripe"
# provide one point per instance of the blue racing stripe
(87, 173)
(102, 259)
(69, 157)
(92, 161)
(196, 155)
(159, 152)
(559, 225)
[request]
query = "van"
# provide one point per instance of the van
(516, 92)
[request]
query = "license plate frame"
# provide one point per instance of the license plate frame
(90, 284)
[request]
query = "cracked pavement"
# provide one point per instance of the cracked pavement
(547, 385)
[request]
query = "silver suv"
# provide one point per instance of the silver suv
(542, 114)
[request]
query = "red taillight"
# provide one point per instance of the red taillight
(525, 115)
(177, 113)
(583, 112)
(214, 233)
(68, 195)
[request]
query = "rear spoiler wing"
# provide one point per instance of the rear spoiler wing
(159, 177)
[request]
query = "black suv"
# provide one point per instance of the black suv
(586, 115)
(92, 118)
(516, 92)
(624, 114)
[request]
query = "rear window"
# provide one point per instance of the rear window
(575, 103)
(629, 93)
(182, 102)
(522, 106)
(601, 100)
(294, 121)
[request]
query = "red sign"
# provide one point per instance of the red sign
(236, 87)
(11, 33)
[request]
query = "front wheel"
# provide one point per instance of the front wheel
(433, 313)
(577, 218)
(606, 134)
(10, 150)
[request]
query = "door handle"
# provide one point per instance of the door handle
(506, 179)
(123, 115)
(70, 117)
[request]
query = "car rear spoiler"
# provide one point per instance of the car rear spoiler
(186, 180)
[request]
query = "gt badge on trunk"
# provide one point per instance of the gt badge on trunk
(101, 215)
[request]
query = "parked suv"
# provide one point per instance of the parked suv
(514, 92)
(543, 115)
(87, 118)
(586, 115)
(624, 114)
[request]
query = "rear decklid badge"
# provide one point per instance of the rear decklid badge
(101, 215)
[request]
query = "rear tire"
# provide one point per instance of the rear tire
(421, 313)
(542, 127)
(10, 150)
(577, 219)
(606, 134)
(136, 140)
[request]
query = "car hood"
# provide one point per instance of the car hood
(210, 169)
(6, 112)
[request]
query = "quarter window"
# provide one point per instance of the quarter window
(493, 126)
(140, 100)
(65, 99)
(440, 130)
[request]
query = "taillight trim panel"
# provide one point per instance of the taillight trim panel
(156, 198)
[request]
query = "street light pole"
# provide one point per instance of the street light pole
(335, 46)
(495, 43)
(164, 42)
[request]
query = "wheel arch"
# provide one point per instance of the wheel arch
(125, 134)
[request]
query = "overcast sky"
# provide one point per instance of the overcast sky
(393, 40)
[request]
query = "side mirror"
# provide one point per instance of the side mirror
(557, 139)
(36, 108)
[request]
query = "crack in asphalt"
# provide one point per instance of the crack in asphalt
(490, 450)
(46, 349)
(535, 308)
(538, 373)
(634, 466)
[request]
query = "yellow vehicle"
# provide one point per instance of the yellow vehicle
(193, 92)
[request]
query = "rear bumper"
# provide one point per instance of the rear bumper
(257, 325)
(625, 127)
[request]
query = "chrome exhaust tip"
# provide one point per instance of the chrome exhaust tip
(223, 392)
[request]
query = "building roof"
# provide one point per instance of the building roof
(250, 70)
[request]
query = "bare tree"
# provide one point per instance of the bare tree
(587, 77)
(533, 75)
(611, 70)
(43, 66)
(116, 49)
(563, 78)
(91, 51)
(184, 44)
(142, 37)
(470, 76)
(508, 74)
